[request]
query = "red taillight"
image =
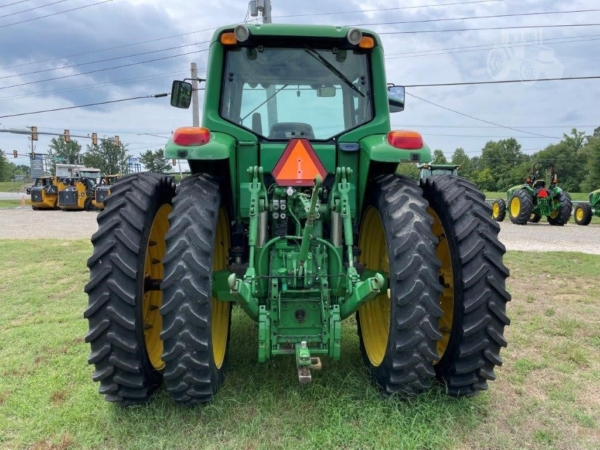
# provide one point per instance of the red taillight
(188, 136)
(406, 140)
(543, 193)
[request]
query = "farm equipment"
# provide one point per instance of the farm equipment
(584, 212)
(533, 200)
(44, 193)
(102, 190)
(294, 214)
(78, 193)
(429, 169)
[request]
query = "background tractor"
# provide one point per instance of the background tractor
(44, 193)
(102, 190)
(295, 215)
(532, 200)
(430, 169)
(78, 192)
(584, 212)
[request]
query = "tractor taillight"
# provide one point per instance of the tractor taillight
(406, 140)
(188, 136)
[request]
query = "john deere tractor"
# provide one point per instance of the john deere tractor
(429, 169)
(584, 212)
(532, 200)
(79, 191)
(44, 193)
(294, 214)
(102, 190)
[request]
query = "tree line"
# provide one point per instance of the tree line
(502, 164)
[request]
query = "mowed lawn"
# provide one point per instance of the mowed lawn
(546, 394)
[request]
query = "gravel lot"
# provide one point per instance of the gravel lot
(28, 224)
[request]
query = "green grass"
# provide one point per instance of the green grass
(11, 186)
(48, 400)
(13, 203)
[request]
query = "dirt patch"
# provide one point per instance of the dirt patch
(58, 397)
(64, 443)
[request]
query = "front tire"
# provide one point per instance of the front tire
(562, 216)
(499, 210)
(398, 329)
(520, 207)
(583, 214)
(196, 326)
(124, 323)
(474, 277)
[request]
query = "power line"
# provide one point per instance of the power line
(388, 9)
(491, 28)
(484, 126)
(54, 14)
(86, 105)
(14, 3)
(103, 60)
(97, 85)
(446, 19)
(472, 83)
(32, 9)
(102, 70)
(481, 120)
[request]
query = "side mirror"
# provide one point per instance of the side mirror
(181, 94)
(396, 98)
(326, 91)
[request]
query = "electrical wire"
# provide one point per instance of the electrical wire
(86, 105)
(103, 60)
(473, 83)
(14, 3)
(446, 19)
(481, 120)
(103, 70)
(54, 14)
(491, 28)
(32, 9)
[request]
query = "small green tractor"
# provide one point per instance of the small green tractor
(532, 200)
(294, 214)
(584, 212)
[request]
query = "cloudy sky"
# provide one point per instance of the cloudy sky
(72, 57)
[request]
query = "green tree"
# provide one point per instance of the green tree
(460, 158)
(505, 162)
(155, 161)
(439, 157)
(6, 168)
(484, 179)
(592, 179)
(107, 156)
(68, 151)
(408, 169)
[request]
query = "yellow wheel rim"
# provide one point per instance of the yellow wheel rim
(515, 206)
(446, 277)
(220, 311)
(375, 315)
(579, 214)
(554, 215)
(496, 210)
(152, 300)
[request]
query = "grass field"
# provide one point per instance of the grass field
(546, 395)
(13, 203)
(11, 186)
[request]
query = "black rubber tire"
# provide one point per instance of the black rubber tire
(407, 366)
(479, 275)
(502, 210)
(564, 213)
(587, 214)
(526, 207)
(191, 374)
(534, 218)
(115, 289)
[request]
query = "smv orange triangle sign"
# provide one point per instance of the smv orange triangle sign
(299, 165)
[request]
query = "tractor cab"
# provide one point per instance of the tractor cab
(430, 169)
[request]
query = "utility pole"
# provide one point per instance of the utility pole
(195, 104)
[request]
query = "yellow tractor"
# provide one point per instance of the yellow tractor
(44, 193)
(103, 190)
(77, 194)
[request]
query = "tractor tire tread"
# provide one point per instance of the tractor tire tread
(587, 214)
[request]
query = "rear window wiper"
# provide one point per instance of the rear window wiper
(312, 52)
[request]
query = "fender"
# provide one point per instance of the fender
(220, 146)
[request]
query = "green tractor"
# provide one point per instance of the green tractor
(584, 212)
(430, 169)
(532, 200)
(294, 214)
